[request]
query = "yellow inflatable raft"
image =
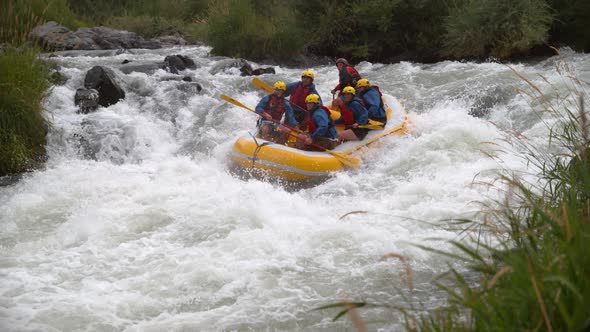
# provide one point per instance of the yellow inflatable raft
(261, 158)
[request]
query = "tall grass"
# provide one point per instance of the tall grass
(535, 272)
(23, 81)
(22, 126)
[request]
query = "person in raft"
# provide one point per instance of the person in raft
(347, 75)
(371, 97)
(321, 128)
(352, 114)
(271, 108)
(298, 92)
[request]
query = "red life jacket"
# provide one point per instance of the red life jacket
(275, 107)
(310, 124)
(298, 96)
(346, 114)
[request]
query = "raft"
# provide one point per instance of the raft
(260, 158)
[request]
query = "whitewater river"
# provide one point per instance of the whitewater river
(135, 224)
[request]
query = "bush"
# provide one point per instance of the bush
(244, 28)
(22, 126)
(500, 28)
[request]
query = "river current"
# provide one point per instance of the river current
(136, 224)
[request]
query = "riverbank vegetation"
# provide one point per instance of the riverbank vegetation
(23, 82)
(534, 272)
(523, 264)
(376, 30)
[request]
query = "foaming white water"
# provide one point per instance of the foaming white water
(136, 225)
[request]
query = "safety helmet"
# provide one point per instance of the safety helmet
(363, 83)
(342, 60)
(312, 98)
(349, 89)
(280, 85)
(308, 73)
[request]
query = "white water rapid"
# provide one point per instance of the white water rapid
(135, 224)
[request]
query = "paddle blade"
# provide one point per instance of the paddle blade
(235, 102)
(260, 84)
(346, 159)
(375, 123)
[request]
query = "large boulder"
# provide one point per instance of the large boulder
(176, 63)
(107, 38)
(57, 37)
(86, 99)
(103, 80)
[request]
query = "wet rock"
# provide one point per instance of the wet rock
(90, 53)
(86, 100)
(246, 69)
(171, 40)
(125, 62)
(222, 65)
(145, 68)
(187, 79)
(176, 63)
(103, 80)
(191, 87)
(488, 100)
(266, 70)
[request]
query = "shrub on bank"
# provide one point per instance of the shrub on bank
(500, 28)
(256, 30)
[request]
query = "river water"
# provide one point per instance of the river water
(135, 223)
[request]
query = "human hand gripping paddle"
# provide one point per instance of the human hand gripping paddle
(343, 158)
(373, 125)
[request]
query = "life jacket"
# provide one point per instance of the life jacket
(348, 76)
(275, 107)
(298, 96)
(311, 125)
(346, 114)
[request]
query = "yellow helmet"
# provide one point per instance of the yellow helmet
(307, 73)
(363, 83)
(312, 98)
(280, 85)
(349, 89)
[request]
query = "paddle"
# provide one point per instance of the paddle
(373, 125)
(343, 158)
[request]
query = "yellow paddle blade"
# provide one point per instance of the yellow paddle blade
(260, 84)
(346, 159)
(375, 123)
(235, 102)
